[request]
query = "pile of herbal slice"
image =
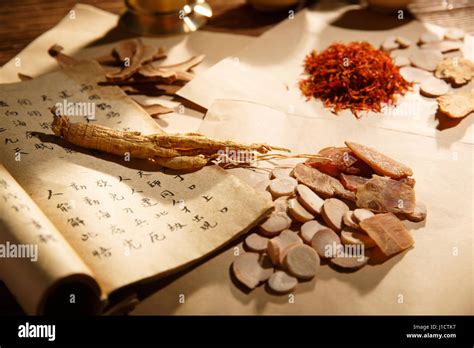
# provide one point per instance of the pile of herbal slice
(135, 67)
(438, 66)
(342, 208)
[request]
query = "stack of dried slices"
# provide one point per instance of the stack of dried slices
(343, 208)
(438, 66)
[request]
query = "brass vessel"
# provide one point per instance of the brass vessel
(164, 17)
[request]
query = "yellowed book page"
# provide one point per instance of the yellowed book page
(127, 219)
(435, 277)
(35, 259)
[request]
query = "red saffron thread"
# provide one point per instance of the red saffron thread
(353, 76)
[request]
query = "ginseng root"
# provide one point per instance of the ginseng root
(175, 151)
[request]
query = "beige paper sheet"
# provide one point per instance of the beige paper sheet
(435, 277)
(85, 34)
(24, 225)
(128, 220)
(268, 70)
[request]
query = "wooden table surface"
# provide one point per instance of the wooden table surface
(24, 20)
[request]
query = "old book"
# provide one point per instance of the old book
(78, 227)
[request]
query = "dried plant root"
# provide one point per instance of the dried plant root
(109, 140)
(176, 151)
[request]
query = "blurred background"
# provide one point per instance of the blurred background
(24, 20)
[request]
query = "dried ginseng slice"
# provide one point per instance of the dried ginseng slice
(281, 204)
(426, 59)
(310, 200)
(333, 212)
(279, 246)
(349, 220)
(276, 222)
(433, 87)
(321, 183)
(403, 41)
(351, 182)
(302, 262)
(443, 46)
(283, 186)
(390, 44)
(401, 61)
(457, 105)
(362, 214)
(412, 74)
(326, 243)
(419, 214)
(298, 212)
(349, 237)
(349, 262)
(309, 229)
(281, 172)
(388, 232)
(429, 37)
(251, 269)
(382, 195)
(379, 162)
(256, 243)
(281, 282)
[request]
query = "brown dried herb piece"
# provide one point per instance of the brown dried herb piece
(456, 104)
(337, 160)
(388, 232)
(321, 183)
(382, 195)
(137, 54)
(251, 269)
(351, 182)
(379, 162)
(457, 70)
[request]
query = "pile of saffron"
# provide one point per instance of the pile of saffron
(353, 76)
